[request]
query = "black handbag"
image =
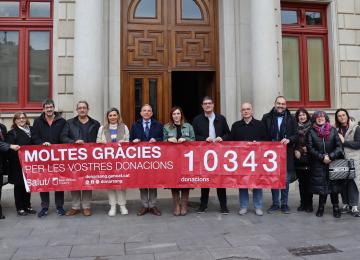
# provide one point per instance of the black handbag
(341, 169)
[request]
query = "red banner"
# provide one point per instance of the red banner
(157, 165)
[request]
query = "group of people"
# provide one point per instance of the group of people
(312, 143)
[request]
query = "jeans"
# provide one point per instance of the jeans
(276, 200)
(350, 193)
(45, 199)
(244, 198)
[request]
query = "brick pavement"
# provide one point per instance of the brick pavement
(205, 236)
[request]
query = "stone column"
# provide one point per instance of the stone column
(264, 55)
(88, 52)
(230, 91)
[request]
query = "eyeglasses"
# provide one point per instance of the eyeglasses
(207, 103)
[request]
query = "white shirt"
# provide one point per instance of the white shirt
(279, 121)
(212, 133)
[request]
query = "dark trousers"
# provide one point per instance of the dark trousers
(221, 193)
(350, 193)
(1, 184)
(45, 199)
(306, 198)
(333, 196)
(22, 198)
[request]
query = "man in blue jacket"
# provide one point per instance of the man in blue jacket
(147, 129)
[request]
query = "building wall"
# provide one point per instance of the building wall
(63, 55)
(349, 52)
(236, 31)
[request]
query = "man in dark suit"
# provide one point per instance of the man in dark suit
(211, 127)
(147, 129)
(281, 127)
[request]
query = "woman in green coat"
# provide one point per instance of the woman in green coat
(177, 131)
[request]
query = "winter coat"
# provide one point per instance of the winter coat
(19, 137)
(43, 132)
(303, 163)
(4, 147)
(72, 131)
(319, 171)
(289, 130)
(187, 132)
(201, 127)
(137, 131)
(352, 147)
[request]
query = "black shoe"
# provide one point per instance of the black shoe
(272, 209)
(43, 212)
(224, 211)
(320, 211)
(301, 208)
(1, 214)
(201, 209)
(30, 211)
(22, 212)
(309, 209)
(285, 209)
(336, 211)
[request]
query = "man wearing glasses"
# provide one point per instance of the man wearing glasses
(47, 129)
(79, 130)
(213, 128)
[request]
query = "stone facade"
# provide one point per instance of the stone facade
(349, 48)
(238, 31)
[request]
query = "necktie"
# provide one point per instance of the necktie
(147, 129)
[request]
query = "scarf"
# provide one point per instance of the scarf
(26, 129)
(302, 131)
(323, 131)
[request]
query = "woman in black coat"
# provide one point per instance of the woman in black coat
(20, 134)
(324, 146)
(4, 148)
(302, 162)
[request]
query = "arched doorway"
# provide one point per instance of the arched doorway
(169, 55)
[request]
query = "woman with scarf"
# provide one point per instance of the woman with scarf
(302, 163)
(114, 131)
(349, 133)
(20, 134)
(324, 146)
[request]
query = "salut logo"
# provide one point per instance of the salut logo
(55, 181)
(37, 182)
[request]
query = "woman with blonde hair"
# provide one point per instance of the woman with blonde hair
(114, 131)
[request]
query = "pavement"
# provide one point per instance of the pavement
(195, 236)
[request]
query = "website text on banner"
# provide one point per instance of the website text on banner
(158, 165)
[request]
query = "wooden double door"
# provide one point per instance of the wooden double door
(163, 38)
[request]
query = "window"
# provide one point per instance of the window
(146, 9)
(305, 55)
(190, 10)
(25, 53)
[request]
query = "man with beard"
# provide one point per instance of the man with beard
(47, 129)
(281, 127)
